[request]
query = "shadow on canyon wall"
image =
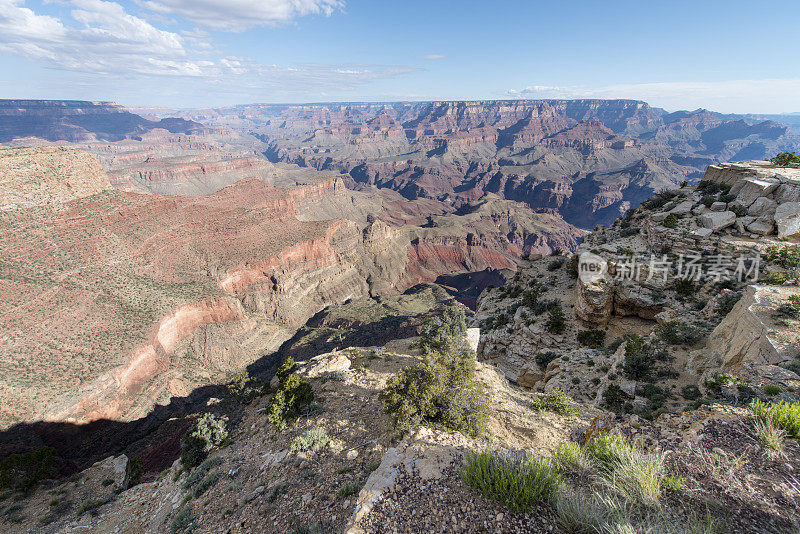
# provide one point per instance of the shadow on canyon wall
(156, 437)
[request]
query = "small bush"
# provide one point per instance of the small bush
(779, 279)
(580, 513)
(90, 506)
(671, 221)
(442, 389)
(200, 472)
(684, 287)
(635, 475)
(543, 359)
(727, 303)
(772, 389)
(183, 520)
(785, 415)
(313, 441)
(771, 437)
(135, 471)
(555, 401)
(570, 456)
(678, 333)
(790, 309)
(593, 338)
(211, 429)
(638, 364)
(292, 396)
(691, 392)
(672, 483)
(784, 159)
(556, 320)
(348, 489)
(244, 387)
(23, 471)
(202, 486)
(440, 333)
(517, 480)
(614, 397)
(193, 450)
(556, 264)
(787, 256)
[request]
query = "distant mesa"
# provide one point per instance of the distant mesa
(76, 121)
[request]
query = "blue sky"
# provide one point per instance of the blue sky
(731, 56)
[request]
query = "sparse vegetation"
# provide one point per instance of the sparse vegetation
(556, 320)
(785, 415)
(678, 333)
(671, 221)
(212, 429)
(784, 159)
(183, 520)
(555, 401)
(23, 471)
(772, 438)
(593, 338)
(313, 440)
(349, 488)
(543, 359)
(684, 287)
(515, 479)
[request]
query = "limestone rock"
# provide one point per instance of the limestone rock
(762, 206)
(718, 206)
(787, 217)
(327, 363)
(753, 188)
(684, 208)
(717, 220)
(761, 226)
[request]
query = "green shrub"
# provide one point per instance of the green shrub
(614, 397)
(23, 471)
(593, 338)
(684, 287)
(671, 221)
(292, 396)
(787, 256)
(543, 359)
(193, 450)
(556, 320)
(555, 401)
(440, 333)
(772, 438)
(349, 488)
(570, 456)
(772, 389)
(517, 480)
(785, 415)
(637, 476)
(440, 389)
(200, 472)
(313, 440)
(202, 486)
(244, 387)
(779, 279)
(784, 159)
(691, 392)
(727, 303)
(183, 520)
(790, 309)
(672, 483)
(211, 429)
(135, 471)
(638, 364)
(90, 506)
(678, 333)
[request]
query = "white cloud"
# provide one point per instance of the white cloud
(240, 15)
(433, 56)
(731, 96)
(105, 41)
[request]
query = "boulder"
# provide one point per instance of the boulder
(762, 206)
(702, 233)
(753, 188)
(761, 226)
(327, 363)
(787, 217)
(717, 220)
(718, 206)
(787, 192)
(530, 375)
(473, 338)
(684, 208)
(699, 209)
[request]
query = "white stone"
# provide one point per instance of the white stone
(699, 209)
(702, 233)
(473, 338)
(327, 363)
(787, 217)
(788, 192)
(717, 220)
